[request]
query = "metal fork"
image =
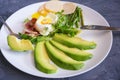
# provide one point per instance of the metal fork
(7, 26)
(99, 27)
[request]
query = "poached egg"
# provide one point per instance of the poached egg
(44, 24)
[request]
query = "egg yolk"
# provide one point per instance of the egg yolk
(46, 21)
(36, 15)
(43, 12)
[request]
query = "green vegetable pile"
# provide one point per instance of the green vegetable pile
(34, 40)
(69, 24)
(66, 24)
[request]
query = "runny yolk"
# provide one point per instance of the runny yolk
(46, 21)
(43, 12)
(36, 15)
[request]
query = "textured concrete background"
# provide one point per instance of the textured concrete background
(109, 69)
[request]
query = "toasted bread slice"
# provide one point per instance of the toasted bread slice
(54, 6)
(41, 8)
(69, 8)
(57, 6)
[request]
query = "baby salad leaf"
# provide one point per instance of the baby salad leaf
(34, 39)
(68, 24)
(25, 36)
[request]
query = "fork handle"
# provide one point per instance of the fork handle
(3, 21)
(99, 27)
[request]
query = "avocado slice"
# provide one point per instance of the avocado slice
(61, 59)
(19, 45)
(74, 53)
(74, 42)
(42, 61)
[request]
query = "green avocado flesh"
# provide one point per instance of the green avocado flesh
(74, 53)
(61, 59)
(19, 45)
(42, 61)
(74, 42)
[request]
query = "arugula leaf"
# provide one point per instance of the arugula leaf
(25, 36)
(34, 40)
(68, 24)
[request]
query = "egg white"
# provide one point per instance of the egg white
(45, 29)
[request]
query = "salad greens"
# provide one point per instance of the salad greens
(34, 40)
(67, 24)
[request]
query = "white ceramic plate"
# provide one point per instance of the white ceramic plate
(24, 60)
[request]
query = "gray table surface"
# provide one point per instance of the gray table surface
(109, 69)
